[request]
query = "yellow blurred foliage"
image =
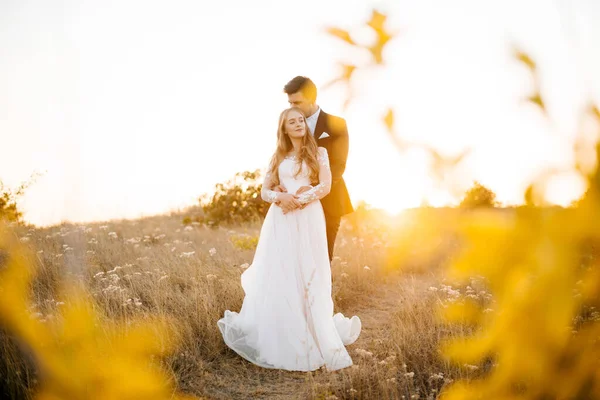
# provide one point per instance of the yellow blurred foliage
(79, 355)
(541, 339)
(532, 262)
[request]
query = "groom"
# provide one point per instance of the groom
(331, 132)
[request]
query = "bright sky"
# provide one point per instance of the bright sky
(138, 107)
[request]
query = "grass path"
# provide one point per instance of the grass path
(231, 377)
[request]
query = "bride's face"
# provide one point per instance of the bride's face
(295, 125)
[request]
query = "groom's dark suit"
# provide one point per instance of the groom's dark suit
(331, 132)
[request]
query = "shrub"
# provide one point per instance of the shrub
(478, 196)
(235, 201)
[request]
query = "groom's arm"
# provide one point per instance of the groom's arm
(338, 152)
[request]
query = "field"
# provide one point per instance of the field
(191, 274)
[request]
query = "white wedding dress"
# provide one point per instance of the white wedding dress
(286, 320)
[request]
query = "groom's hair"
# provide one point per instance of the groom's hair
(304, 85)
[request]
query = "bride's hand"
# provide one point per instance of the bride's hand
(302, 190)
(288, 202)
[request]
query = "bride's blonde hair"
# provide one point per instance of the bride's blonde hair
(307, 153)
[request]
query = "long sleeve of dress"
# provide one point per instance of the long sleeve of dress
(324, 186)
(266, 193)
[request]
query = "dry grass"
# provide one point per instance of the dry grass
(191, 274)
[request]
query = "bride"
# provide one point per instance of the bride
(286, 320)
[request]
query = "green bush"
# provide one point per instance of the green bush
(235, 201)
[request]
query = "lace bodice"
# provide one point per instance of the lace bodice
(289, 180)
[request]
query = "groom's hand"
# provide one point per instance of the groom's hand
(288, 202)
(303, 189)
(279, 189)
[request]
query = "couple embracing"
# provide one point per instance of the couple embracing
(286, 320)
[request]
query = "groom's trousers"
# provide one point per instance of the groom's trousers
(332, 225)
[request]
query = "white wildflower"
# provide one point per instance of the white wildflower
(366, 268)
(212, 251)
(363, 353)
(437, 376)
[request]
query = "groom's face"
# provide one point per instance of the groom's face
(298, 100)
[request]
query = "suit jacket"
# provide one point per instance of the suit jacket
(337, 202)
